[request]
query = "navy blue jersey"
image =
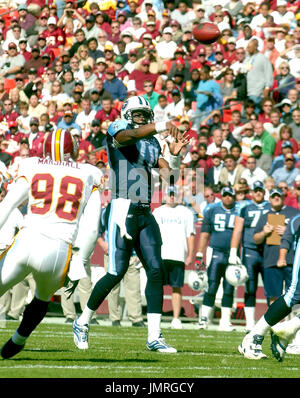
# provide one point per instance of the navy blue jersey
(219, 222)
(251, 215)
(271, 252)
(291, 236)
(131, 165)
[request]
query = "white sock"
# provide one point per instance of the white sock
(294, 324)
(225, 315)
(205, 312)
(18, 339)
(296, 340)
(153, 326)
(86, 316)
(250, 317)
(260, 328)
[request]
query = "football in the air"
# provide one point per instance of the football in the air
(206, 32)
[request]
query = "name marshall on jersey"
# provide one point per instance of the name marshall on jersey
(51, 162)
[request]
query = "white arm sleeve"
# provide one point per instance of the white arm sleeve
(15, 196)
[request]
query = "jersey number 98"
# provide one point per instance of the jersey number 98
(68, 202)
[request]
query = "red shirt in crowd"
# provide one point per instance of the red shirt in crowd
(102, 115)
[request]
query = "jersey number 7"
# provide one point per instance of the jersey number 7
(67, 204)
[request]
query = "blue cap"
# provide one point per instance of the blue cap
(286, 144)
(257, 185)
(276, 191)
(228, 190)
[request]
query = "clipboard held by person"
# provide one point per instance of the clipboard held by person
(275, 219)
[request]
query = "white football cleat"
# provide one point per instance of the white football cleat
(176, 324)
(160, 345)
(203, 323)
(251, 347)
(226, 327)
(81, 335)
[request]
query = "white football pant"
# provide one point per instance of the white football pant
(47, 259)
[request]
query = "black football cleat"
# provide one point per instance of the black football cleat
(10, 349)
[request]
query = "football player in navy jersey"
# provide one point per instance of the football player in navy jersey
(252, 258)
(133, 152)
(217, 228)
(282, 256)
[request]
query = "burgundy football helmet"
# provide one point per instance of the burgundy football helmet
(60, 145)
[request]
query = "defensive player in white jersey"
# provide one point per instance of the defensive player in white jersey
(59, 192)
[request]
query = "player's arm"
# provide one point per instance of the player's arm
(202, 245)
(285, 245)
(235, 240)
(131, 136)
(15, 196)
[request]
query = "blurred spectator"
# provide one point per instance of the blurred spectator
(175, 109)
(295, 124)
(114, 86)
(290, 199)
(108, 112)
(252, 172)
(217, 142)
(150, 94)
(213, 175)
(267, 140)
(260, 76)
(285, 138)
(231, 172)
(208, 93)
(288, 172)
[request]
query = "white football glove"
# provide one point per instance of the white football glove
(233, 257)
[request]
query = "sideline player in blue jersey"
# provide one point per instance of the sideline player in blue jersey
(251, 346)
(217, 228)
(133, 152)
(252, 258)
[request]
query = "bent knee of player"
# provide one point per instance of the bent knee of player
(156, 275)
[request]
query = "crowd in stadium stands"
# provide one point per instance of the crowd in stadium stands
(71, 64)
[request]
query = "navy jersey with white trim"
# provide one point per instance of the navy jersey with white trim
(251, 215)
(219, 223)
(291, 235)
(131, 164)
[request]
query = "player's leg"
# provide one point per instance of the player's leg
(120, 250)
(252, 262)
(132, 289)
(214, 274)
(251, 346)
(148, 249)
(227, 300)
(48, 264)
(84, 289)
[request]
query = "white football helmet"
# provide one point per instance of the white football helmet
(136, 103)
(197, 280)
(236, 274)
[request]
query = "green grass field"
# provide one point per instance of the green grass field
(121, 353)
